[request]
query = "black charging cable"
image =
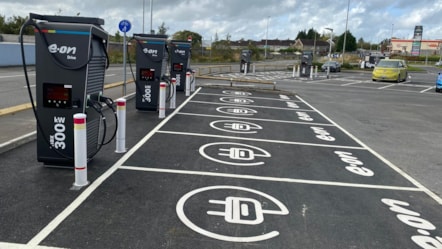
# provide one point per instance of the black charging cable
(28, 23)
(110, 103)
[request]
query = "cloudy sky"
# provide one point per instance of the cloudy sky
(372, 20)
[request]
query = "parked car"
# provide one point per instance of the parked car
(390, 70)
(439, 63)
(334, 66)
(439, 82)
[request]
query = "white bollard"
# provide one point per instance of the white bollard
(193, 82)
(294, 71)
(298, 71)
(254, 68)
(162, 104)
(187, 84)
(173, 98)
(311, 72)
(245, 68)
(121, 131)
(316, 71)
(80, 151)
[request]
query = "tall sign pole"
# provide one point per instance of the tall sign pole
(124, 27)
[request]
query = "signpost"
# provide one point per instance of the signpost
(124, 27)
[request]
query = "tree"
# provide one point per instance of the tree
(350, 43)
(117, 36)
(13, 25)
(384, 44)
(184, 34)
(162, 30)
(310, 34)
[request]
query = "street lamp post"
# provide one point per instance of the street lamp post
(267, 33)
(143, 15)
(329, 51)
(151, 10)
(345, 34)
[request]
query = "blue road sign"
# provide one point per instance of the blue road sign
(124, 26)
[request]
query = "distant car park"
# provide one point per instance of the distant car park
(334, 66)
(390, 70)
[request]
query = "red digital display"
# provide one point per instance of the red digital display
(178, 67)
(57, 95)
(147, 74)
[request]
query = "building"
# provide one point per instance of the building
(320, 47)
(272, 45)
(428, 47)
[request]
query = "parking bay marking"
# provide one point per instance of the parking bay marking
(380, 157)
(248, 96)
(254, 119)
(249, 106)
(402, 173)
(260, 140)
(268, 178)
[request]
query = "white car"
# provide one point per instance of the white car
(439, 63)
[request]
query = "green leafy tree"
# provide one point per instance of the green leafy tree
(182, 35)
(162, 29)
(117, 37)
(301, 35)
(350, 44)
(310, 34)
(13, 25)
(2, 23)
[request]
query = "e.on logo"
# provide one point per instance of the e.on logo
(54, 48)
(411, 218)
(150, 51)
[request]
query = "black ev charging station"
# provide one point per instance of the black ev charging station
(71, 60)
(151, 66)
(306, 63)
(180, 52)
(246, 58)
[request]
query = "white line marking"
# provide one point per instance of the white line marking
(249, 97)
(110, 75)
(254, 119)
(387, 86)
(88, 191)
(272, 179)
(428, 89)
(5, 245)
(390, 164)
(14, 140)
(14, 76)
(261, 140)
(29, 85)
(251, 106)
(352, 83)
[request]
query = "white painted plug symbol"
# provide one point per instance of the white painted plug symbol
(238, 126)
(238, 153)
(238, 111)
(239, 210)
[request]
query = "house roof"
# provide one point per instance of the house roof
(270, 42)
(311, 42)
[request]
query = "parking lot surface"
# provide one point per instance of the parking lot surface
(229, 168)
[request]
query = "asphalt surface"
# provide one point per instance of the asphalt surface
(306, 166)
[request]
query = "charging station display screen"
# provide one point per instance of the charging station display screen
(178, 67)
(57, 95)
(147, 74)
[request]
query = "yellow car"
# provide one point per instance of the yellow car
(390, 70)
